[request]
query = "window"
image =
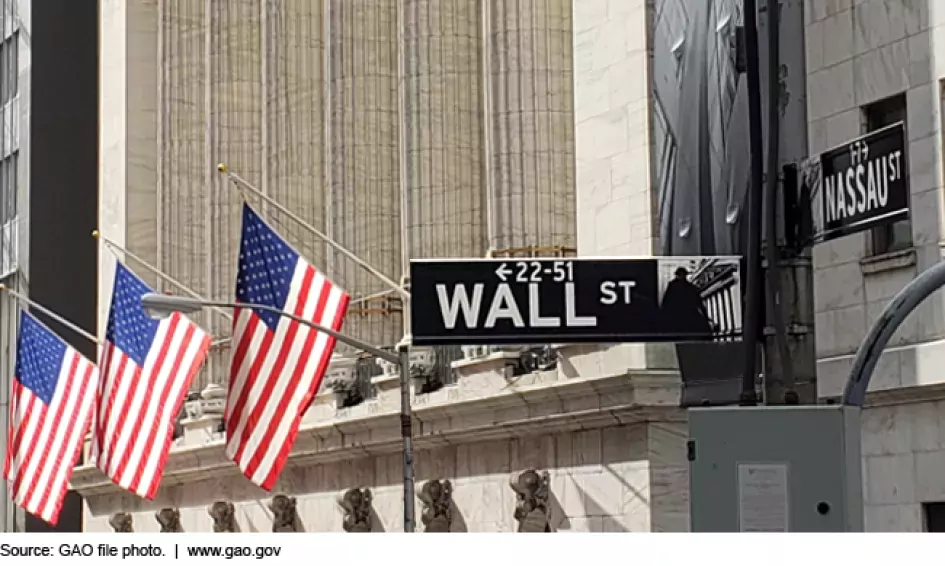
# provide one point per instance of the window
(8, 188)
(898, 235)
(9, 68)
(934, 517)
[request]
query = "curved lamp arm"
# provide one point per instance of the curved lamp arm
(158, 304)
(867, 356)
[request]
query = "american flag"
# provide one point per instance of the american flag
(51, 405)
(147, 367)
(277, 364)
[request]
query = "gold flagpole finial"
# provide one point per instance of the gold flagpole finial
(222, 168)
(3, 287)
(95, 234)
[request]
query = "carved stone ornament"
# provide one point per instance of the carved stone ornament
(357, 506)
(223, 514)
(193, 408)
(212, 399)
(342, 374)
(475, 352)
(541, 358)
(169, 519)
(422, 362)
(389, 369)
(437, 499)
(178, 425)
(122, 523)
(285, 518)
(532, 507)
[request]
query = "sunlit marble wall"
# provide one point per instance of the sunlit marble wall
(322, 107)
(617, 479)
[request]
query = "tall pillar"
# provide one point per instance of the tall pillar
(294, 117)
(446, 214)
(532, 125)
(365, 159)
(616, 203)
(128, 137)
(615, 212)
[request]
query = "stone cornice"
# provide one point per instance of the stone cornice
(440, 418)
(902, 395)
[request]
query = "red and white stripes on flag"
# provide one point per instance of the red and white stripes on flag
(51, 405)
(277, 364)
(147, 367)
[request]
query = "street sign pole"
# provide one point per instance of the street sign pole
(850, 188)
(406, 432)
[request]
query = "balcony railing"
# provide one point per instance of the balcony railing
(435, 376)
(439, 375)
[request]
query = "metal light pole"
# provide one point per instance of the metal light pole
(781, 379)
(867, 356)
(754, 276)
(158, 306)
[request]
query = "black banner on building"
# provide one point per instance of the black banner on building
(863, 183)
(555, 301)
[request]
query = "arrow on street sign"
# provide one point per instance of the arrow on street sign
(503, 272)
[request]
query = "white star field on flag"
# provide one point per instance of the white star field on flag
(265, 266)
(40, 357)
(130, 328)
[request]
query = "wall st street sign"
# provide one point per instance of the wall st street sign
(538, 301)
(860, 184)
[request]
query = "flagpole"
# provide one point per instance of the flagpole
(34, 305)
(403, 349)
(52, 315)
(160, 274)
(243, 183)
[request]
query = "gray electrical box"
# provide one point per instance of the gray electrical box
(775, 469)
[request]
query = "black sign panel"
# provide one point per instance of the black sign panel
(864, 184)
(535, 301)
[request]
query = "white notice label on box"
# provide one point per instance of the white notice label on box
(763, 498)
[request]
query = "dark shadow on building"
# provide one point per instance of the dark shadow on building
(63, 179)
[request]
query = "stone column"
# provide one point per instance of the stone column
(128, 135)
(444, 128)
(531, 121)
(616, 204)
(365, 175)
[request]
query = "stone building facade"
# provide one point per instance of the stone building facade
(612, 446)
(602, 422)
(871, 63)
(48, 190)
(596, 431)
(14, 78)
